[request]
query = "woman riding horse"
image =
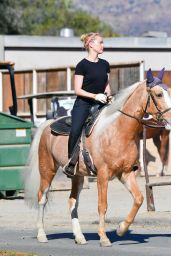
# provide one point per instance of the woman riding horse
(113, 145)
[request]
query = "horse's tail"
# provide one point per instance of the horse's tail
(31, 174)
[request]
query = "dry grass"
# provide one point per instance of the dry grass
(13, 253)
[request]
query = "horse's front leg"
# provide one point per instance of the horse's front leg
(129, 180)
(102, 183)
(77, 185)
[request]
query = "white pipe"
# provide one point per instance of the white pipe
(68, 79)
(142, 70)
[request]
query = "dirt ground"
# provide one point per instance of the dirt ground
(58, 215)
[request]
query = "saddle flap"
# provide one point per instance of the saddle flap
(93, 117)
(62, 125)
(89, 162)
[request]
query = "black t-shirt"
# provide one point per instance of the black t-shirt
(94, 73)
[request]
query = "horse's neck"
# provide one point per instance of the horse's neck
(116, 121)
(135, 104)
(135, 108)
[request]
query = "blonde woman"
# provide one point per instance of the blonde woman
(91, 84)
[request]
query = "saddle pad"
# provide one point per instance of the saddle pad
(62, 125)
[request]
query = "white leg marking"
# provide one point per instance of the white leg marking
(41, 236)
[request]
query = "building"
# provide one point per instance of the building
(40, 52)
(45, 63)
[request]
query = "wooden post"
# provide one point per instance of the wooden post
(149, 189)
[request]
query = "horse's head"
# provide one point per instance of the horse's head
(159, 101)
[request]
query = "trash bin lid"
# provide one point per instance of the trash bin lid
(12, 122)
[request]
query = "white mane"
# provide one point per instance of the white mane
(111, 112)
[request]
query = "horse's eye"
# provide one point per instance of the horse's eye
(159, 95)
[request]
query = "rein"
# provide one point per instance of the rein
(154, 124)
(126, 114)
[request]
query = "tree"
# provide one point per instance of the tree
(83, 22)
(9, 18)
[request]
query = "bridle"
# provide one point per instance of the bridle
(159, 113)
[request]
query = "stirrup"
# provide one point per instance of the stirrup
(70, 169)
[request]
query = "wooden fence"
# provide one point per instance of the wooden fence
(59, 79)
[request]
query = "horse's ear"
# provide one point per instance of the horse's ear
(150, 77)
(161, 73)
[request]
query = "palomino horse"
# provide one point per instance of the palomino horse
(113, 145)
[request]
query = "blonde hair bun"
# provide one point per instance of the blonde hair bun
(83, 37)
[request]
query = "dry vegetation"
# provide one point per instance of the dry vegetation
(13, 253)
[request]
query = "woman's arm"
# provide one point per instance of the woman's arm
(108, 88)
(78, 81)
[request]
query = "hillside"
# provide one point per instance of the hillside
(131, 17)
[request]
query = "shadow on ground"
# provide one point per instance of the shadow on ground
(128, 238)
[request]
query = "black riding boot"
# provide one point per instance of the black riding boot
(71, 167)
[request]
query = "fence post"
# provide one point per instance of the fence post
(34, 92)
(149, 189)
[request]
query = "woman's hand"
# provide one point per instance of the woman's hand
(101, 97)
(110, 99)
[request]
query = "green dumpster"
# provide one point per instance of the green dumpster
(15, 139)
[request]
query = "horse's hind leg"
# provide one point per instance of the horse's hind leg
(129, 180)
(47, 173)
(77, 185)
(42, 194)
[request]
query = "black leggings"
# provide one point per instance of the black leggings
(80, 113)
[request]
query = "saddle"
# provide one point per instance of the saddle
(62, 126)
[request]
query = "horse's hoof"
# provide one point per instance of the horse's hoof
(105, 243)
(158, 175)
(80, 240)
(42, 239)
(121, 230)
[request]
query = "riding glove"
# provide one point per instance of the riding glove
(101, 97)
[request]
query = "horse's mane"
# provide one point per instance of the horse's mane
(111, 112)
(120, 99)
